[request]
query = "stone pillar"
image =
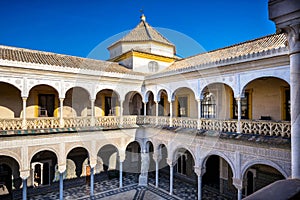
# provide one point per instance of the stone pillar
(171, 164)
(92, 112)
(238, 184)
(157, 158)
(121, 175)
(92, 182)
(199, 114)
(199, 178)
(171, 114)
(24, 176)
(121, 113)
(61, 113)
(24, 122)
(61, 170)
(145, 111)
(156, 112)
(121, 160)
(286, 15)
(143, 178)
(238, 101)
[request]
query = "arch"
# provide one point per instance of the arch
(180, 88)
(83, 87)
(221, 155)
(173, 152)
(107, 103)
(12, 155)
(253, 78)
(114, 92)
(15, 82)
(133, 103)
(100, 88)
(51, 149)
(109, 155)
(269, 163)
(207, 84)
(74, 146)
(10, 101)
(146, 95)
(159, 93)
(52, 86)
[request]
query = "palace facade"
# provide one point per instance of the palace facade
(219, 119)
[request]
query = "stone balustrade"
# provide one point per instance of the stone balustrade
(260, 127)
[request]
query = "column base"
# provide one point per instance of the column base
(143, 180)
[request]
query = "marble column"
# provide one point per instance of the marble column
(121, 175)
(61, 170)
(143, 178)
(156, 112)
(92, 112)
(61, 112)
(171, 114)
(199, 180)
(92, 182)
(238, 184)
(121, 113)
(199, 114)
(238, 101)
(24, 176)
(156, 158)
(24, 122)
(171, 165)
(286, 15)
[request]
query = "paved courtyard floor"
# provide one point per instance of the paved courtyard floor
(108, 189)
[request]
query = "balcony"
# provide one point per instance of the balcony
(53, 124)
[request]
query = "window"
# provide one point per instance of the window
(110, 103)
(153, 66)
(161, 107)
(182, 107)
(208, 106)
(286, 104)
(181, 164)
(46, 105)
(244, 106)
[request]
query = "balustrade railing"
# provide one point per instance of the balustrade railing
(270, 128)
(260, 127)
(10, 124)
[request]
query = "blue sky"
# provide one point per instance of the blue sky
(76, 27)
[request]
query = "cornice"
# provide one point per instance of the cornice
(222, 63)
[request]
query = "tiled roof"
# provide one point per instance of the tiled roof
(47, 58)
(270, 42)
(144, 32)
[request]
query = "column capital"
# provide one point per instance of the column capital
(156, 157)
(24, 98)
(122, 157)
(293, 36)
(93, 162)
(170, 162)
(62, 168)
(238, 183)
(24, 174)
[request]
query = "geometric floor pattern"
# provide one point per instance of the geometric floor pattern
(108, 189)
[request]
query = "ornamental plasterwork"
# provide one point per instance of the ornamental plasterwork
(15, 81)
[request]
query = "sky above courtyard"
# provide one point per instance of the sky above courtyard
(86, 27)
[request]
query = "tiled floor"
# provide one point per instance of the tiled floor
(108, 189)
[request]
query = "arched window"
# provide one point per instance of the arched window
(153, 66)
(208, 106)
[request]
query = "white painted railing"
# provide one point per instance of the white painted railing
(260, 127)
(270, 128)
(10, 124)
